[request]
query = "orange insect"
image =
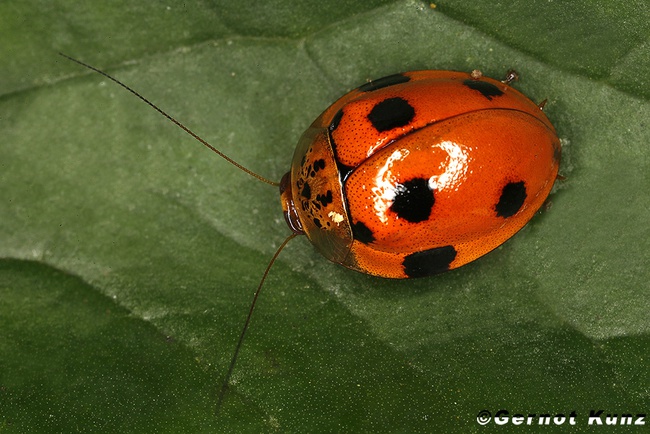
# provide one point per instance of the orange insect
(414, 174)
(421, 172)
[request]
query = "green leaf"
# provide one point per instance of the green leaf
(131, 253)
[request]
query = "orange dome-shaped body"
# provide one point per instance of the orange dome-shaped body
(420, 172)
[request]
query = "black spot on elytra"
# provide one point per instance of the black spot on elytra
(488, 90)
(384, 82)
(362, 233)
(324, 199)
(336, 120)
(391, 113)
(413, 200)
(512, 198)
(429, 262)
(306, 191)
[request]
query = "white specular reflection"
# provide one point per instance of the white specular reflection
(449, 174)
(384, 188)
(454, 167)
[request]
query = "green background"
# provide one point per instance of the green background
(130, 253)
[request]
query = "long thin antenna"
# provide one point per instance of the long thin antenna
(177, 123)
(224, 386)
